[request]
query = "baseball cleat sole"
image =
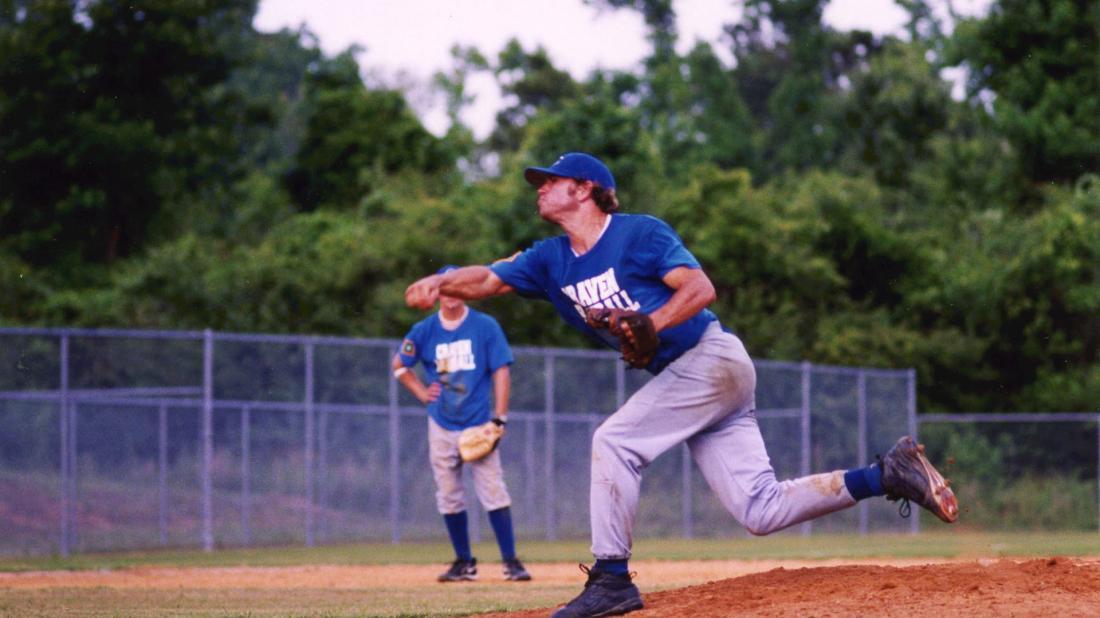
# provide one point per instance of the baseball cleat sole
(621, 608)
(947, 505)
(464, 578)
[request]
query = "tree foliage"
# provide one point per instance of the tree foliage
(354, 136)
(168, 166)
(109, 112)
(1038, 62)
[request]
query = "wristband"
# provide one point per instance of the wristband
(397, 373)
(501, 421)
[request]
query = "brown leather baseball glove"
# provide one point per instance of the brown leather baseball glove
(477, 442)
(638, 339)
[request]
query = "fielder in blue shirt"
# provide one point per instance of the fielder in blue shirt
(465, 356)
(703, 389)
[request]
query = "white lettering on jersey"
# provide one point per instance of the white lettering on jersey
(571, 292)
(454, 356)
(603, 290)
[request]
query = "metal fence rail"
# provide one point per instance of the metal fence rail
(117, 439)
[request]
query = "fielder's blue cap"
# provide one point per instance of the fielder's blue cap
(446, 269)
(575, 165)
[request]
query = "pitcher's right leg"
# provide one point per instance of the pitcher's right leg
(735, 463)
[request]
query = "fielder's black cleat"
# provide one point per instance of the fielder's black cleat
(460, 571)
(514, 571)
(908, 476)
(605, 594)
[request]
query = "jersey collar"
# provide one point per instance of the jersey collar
(606, 224)
(454, 324)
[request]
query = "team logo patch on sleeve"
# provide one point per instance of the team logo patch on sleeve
(408, 348)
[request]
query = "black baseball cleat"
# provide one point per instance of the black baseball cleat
(460, 571)
(907, 475)
(605, 594)
(514, 571)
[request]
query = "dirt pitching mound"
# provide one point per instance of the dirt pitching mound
(1054, 586)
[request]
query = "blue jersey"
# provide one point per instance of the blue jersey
(623, 270)
(467, 357)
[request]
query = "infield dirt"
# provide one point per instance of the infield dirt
(880, 587)
(1054, 586)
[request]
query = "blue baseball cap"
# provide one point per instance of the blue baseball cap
(575, 165)
(446, 269)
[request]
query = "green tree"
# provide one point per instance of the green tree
(1028, 288)
(1036, 61)
(530, 83)
(690, 104)
(267, 87)
(108, 111)
(325, 271)
(23, 290)
(791, 72)
(466, 62)
(354, 136)
(894, 109)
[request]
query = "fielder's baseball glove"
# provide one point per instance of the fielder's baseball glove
(478, 441)
(640, 345)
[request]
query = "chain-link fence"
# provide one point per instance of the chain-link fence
(1020, 471)
(119, 439)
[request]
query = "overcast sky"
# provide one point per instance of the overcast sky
(406, 41)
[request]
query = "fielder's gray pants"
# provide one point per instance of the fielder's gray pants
(450, 497)
(707, 399)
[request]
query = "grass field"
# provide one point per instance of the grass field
(781, 547)
(355, 580)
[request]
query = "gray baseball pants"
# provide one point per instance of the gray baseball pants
(705, 398)
(450, 497)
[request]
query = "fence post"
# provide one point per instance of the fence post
(322, 472)
(63, 418)
(162, 472)
(309, 431)
(246, 475)
(74, 523)
(207, 440)
(395, 460)
(685, 483)
(550, 503)
(529, 425)
(861, 457)
(911, 410)
(804, 464)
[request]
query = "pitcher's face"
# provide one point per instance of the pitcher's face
(557, 196)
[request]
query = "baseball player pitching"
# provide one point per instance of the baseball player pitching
(465, 356)
(628, 281)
